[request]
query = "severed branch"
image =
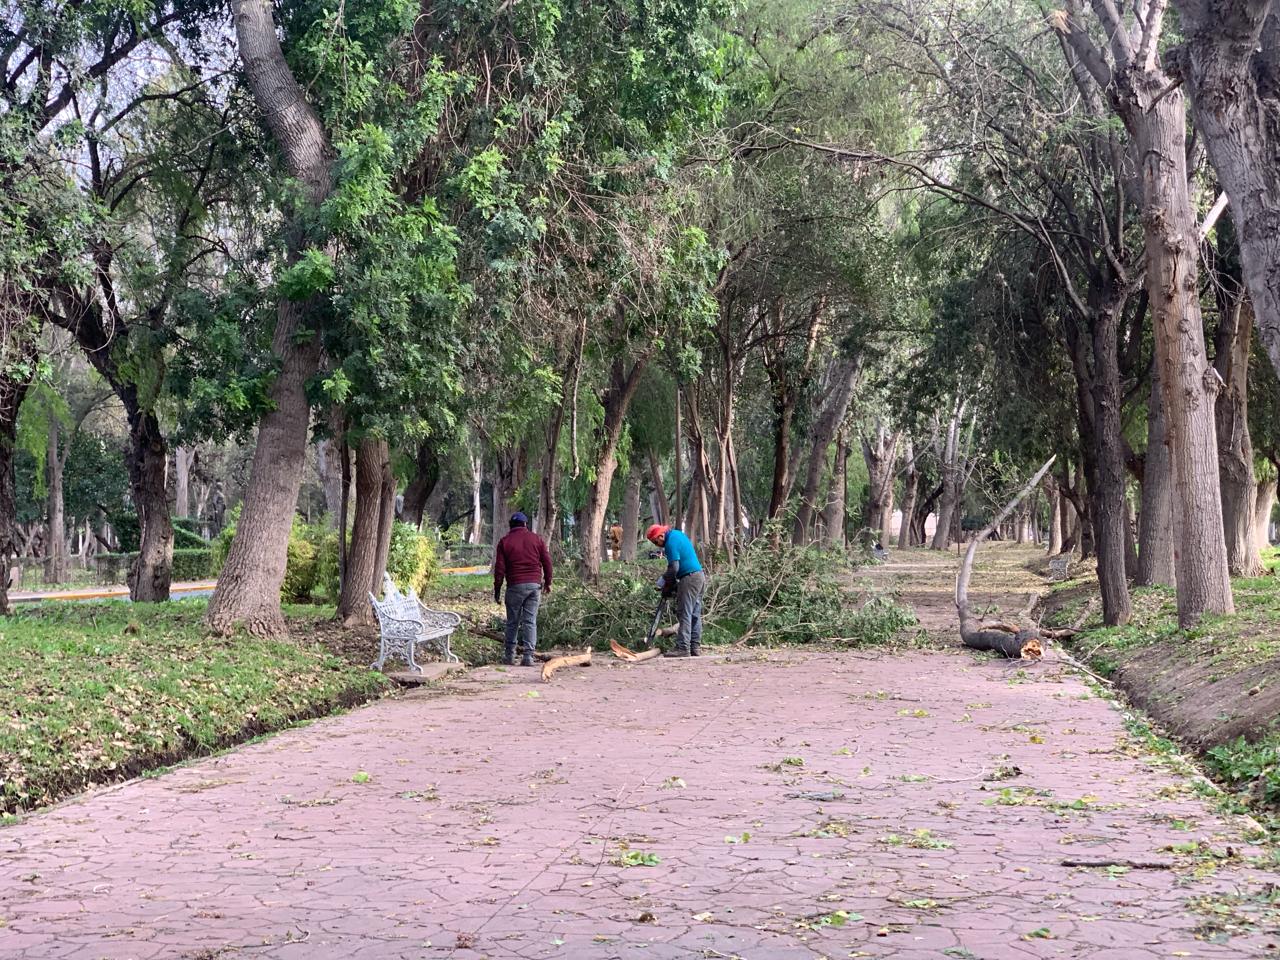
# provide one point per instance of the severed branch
(576, 660)
(1005, 639)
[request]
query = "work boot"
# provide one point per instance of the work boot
(509, 654)
(695, 650)
(527, 659)
(677, 652)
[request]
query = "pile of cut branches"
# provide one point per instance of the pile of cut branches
(775, 594)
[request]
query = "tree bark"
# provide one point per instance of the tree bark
(362, 557)
(55, 562)
(148, 464)
(1155, 519)
(184, 459)
(248, 590)
(1231, 66)
(1190, 388)
(386, 518)
(842, 378)
(910, 491)
(880, 453)
(1055, 515)
(426, 475)
(13, 388)
(1266, 501)
(663, 508)
(631, 514)
(1235, 449)
(329, 454)
(950, 470)
(833, 512)
(476, 532)
(616, 401)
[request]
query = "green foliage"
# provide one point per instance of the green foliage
(1251, 766)
(411, 561)
(185, 539)
(104, 691)
(128, 528)
(193, 564)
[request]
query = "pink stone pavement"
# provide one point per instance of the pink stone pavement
(497, 819)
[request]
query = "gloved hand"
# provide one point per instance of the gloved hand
(497, 594)
(668, 587)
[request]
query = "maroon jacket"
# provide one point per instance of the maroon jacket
(521, 557)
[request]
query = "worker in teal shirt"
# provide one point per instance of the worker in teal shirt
(685, 578)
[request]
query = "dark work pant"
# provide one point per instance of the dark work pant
(522, 614)
(689, 609)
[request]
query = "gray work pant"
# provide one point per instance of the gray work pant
(522, 615)
(689, 591)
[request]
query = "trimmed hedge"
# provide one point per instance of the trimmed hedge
(193, 564)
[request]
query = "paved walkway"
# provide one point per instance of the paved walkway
(766, 807)
(786, 806)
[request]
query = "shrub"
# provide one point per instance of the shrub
(192, 564)
(301, 571)
(127, 528)
(411, 561)
(184, 539)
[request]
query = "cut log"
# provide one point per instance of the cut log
(997, 638)
(576, 660)
(630, 656)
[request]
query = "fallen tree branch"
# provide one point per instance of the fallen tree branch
(576, 660)
(1020, 644)
(1131, 864)
(630, 656)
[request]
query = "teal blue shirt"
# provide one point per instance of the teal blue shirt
(679, 550)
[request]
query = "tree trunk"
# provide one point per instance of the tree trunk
(184, 459)
(386, 520)
(910, 490)
(663, 508)
(248, 589)
(949, 468)
(616, 401)
(362, 557)
(1105, 469)
(880, 456)
(1235, 449)
(148, 464)
(1231, 63)
(426, 475)
(842, 377)
(13, 388)
(1266, 501)
(1155, 519)
(329, 467)
(1055, 515)
(631, 514)
(55, 562)
(1190, 388)
(833, 512)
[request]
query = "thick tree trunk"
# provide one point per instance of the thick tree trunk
(1235, 449)
(148, 463)
(1155, 519)
(426, 474)
(616, 401)
(1190, 387)
(1105, 466)
(1231, 65)
(248, 589)
(880, 454)
(362, 557)
(55, 561)
(631, 514)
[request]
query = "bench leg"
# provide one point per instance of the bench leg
(382, 654)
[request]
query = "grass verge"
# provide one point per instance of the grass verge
(1215, 688)
(97, 692)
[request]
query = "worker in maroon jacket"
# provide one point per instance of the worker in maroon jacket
(522, 560)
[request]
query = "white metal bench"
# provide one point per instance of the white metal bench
(1059, 568)
(403, 622)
